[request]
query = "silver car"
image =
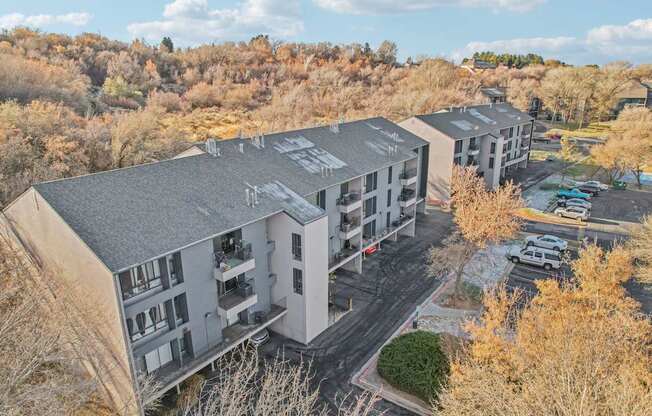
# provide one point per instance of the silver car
(600, 185)
(547, 241)
(575, 202)
(576, 213)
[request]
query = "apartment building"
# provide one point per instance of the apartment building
(494, 139)
(186, 258)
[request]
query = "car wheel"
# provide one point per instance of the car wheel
(529, 243)
(555, 248)
(560, 215)
(547, 266)
(515, 260)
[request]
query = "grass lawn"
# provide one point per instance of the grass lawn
(540, 154)
(593, 130)
(582, 170)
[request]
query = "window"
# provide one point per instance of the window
(493, 148)
(458, 146)
(344, 188)
(147, 322)
(389, 175)
(369, 229)
(518, 130)
(528, 253)
(297, 281)
(491, 163)
(538, 255)
(388, 219)
(389, 197)
(472, 142)
(140, 279)
(457, 160)
(371, 182)
(296, 246)
(321, 199)
(509, 146)
(511, 132)
(174, 268)
(158, 358)
(180, 308)
(370, 207)
(552, 257)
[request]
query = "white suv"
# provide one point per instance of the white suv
(547, 241)
(536, 256)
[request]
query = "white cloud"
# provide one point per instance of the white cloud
(393, 6)
(190, 22)
(11, 20)
(602, 44)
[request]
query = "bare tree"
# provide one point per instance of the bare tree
(246, 385)
(482, 218)
(39, 373)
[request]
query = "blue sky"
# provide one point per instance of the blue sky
(576, 31)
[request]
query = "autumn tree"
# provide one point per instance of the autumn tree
(577, 348)
(568, 154)
(640, 245)
(482, 217)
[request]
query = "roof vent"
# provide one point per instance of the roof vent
(335, 128)
(241, 147)
(211, 147)
(491, 105)
(248, 197)
(262, 140)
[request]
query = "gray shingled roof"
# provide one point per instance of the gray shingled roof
(477, 120)
(128, 216)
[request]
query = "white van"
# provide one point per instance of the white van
(536, 256)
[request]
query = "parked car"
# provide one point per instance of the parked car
(573, 193)
(547, 241)
(574, 202)
(576, 213)
(536, 256)
(600, 185)
(619, 185)
(259, 338)
(589, 188)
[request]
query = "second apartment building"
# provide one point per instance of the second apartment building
(494, 139)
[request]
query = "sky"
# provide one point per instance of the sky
(575, 31)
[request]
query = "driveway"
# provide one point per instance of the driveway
(394, 280)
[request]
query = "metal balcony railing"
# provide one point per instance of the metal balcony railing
(348, 198)
(408, 174)
(228, 260)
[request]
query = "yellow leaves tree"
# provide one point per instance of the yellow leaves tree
(578, 348)
(482, 217)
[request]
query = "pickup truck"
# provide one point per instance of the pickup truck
(573, 193)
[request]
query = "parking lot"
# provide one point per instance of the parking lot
(523, 276)
(628, 205)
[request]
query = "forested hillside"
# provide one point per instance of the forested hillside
(73, 105)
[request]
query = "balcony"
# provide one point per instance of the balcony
(408, 177)
(525, 145)
(349, 230)
(407, 198)
(349, 202)
(342, 256)
(474, 150)
(231, 304)
(230, 265)
(472, 163)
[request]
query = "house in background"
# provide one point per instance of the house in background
(494, 139)
(476, 65)
(637, 94)
(185, 259)
(494, 95)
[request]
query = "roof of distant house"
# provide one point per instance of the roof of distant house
(132, 215)
(477, 120)
(636, 89)
(494, 92)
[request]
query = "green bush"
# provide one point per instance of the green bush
(415, 363)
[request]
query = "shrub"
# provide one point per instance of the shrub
(415, 363)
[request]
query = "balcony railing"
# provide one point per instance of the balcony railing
(141, 287)
(349, 225)
(471, 162)
(407, 194)
(237, 300)
(348, 199)
(226, 261)
(408, 174)
(342, 255)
